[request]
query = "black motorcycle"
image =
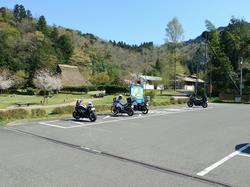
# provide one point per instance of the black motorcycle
(117, 107)
(197, 102)
(82, 112)
(143, 107)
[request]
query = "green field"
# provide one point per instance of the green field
(12, 100)
(7, 100)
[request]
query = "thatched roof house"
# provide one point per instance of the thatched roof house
(70, 75)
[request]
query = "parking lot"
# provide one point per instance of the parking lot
(177, 146)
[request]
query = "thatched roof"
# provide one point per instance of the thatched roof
(70, 75)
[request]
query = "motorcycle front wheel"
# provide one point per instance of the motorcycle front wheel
(92, 117)
(190, 104)
(204, 105)
(145, 110)
(115, 110)
(130, 112)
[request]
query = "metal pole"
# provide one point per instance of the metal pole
(206, 66)
(241, 62)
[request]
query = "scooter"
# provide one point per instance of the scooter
(197, 102)
(88, 112)
(117, 107)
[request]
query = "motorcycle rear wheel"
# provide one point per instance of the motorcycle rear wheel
(74, 114)
(190, 104)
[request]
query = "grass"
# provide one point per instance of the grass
(7, 100)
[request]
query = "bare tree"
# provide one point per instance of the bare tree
(47, 81)
(5, 80)
(174, 33)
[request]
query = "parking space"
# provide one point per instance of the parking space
(211, 144)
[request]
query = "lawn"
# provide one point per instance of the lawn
(7, 100)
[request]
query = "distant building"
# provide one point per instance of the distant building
(188, 83)
(70, 75)
(151, 82)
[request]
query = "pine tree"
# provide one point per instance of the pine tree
(16, 12)
(42, 25)
(22, 12)
(29, 14)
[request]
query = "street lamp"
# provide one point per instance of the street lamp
(241, 86)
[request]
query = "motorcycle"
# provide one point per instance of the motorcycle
(143, 107)
(117, 107)
(88, 112)
(197, 102)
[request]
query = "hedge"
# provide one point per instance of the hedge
(38, 113)
(63, 110)
(13, 114)
(113, 89)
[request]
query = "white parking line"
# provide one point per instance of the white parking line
(154, 113)
(220, 162)
(106, 117)
(244, 154)
(52, 125)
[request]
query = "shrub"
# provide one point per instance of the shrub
(75, 89)
(38, 112)
(113, 89)
(63, 110)
(151, 94)
(14, 114)
(102, 108)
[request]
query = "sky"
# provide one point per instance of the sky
(135, 21)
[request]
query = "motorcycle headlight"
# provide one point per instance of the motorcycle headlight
(92, 109)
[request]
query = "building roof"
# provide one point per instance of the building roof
(150, 78)
(191, 79)
(71, 75)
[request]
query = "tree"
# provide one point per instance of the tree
(47, 81)
(174, 34)
(5, 80)
(66, 48)
(174, 31)
(19, 12)
(42, 25)
(29, 14)
(22, 12)
(16, 12)
(100, 78)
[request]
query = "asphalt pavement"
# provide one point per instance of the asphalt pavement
(168, 147)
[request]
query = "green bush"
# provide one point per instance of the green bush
(102, 108)
(63, 110)
(76, 89)
(151, 94)
(38, 112)
(113, 89)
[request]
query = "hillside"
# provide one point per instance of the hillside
(28, 44)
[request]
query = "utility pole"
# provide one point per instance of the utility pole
(241, 86)
(206, 70)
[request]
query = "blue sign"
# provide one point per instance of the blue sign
(137, 91)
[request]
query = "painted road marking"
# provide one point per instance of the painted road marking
(52, 125)
(244, 154)
(106, 117)
(220, 162)
(154, 113)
